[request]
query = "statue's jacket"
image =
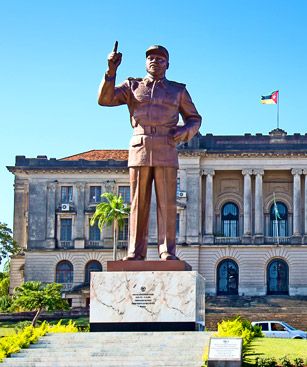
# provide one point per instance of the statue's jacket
(154, 107)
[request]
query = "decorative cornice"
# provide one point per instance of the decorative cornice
(242, 154)
(59, 170)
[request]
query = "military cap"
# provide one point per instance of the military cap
(157, 49)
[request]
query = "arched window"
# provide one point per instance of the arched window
(64, 272)
(93, 265)
(227, 277)
(279, 220)
(230, 220)
(278, 277)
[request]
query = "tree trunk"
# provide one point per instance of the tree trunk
(36, 316)
(115, 240)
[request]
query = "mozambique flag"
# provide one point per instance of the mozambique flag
(271, 99)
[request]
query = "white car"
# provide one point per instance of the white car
(279, 329)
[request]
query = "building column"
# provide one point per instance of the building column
(296, 172)
(258, 202)
(50, 230)
(247, 228)
(305, 205)
(79, 224)
(209, 212)
(193, 205)
(20, 212)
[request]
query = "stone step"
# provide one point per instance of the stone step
(119, 362)
(101, 362)
(128, 359)
(153, 349)
(96, 353)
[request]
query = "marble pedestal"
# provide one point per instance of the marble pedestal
(147, 301)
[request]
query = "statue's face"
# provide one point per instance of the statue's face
(156, 65)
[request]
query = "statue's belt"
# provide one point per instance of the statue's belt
(151, 130)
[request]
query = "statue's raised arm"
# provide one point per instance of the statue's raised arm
(106, 87)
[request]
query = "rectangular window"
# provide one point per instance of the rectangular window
(123, 232)
(264, 326)
(66, 229)
(124, 191)
(177, 224)
(66, 194)
(95, 194)
(178, 185)
(94, 234)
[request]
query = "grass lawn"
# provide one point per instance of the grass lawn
(5, 331)
(7, 328)
(277, 348)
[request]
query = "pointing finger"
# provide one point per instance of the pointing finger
(115, 46)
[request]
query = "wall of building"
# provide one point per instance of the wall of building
(207, 181)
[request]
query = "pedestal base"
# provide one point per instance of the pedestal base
(146, 326)
(169, 265)
(147, 301)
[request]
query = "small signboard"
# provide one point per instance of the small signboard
(225, 352)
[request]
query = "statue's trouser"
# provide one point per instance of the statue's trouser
(165, 181)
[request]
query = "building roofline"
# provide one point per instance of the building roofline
(277, 144)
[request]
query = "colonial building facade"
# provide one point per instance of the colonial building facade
(241, 215)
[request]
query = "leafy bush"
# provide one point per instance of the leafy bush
(21, 325)
(5, 303)
(285, 362)
(13, 343)
(29, 335)
(240, 328)
(59, 328)
(266, 362)
(298, 362)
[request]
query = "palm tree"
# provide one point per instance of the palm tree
(111, 211)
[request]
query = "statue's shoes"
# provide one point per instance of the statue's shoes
(166, 256)
(133, 258)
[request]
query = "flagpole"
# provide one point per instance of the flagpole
(278, 110)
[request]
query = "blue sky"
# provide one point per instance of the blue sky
(228, 52)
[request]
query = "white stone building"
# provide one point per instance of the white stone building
(227, 225)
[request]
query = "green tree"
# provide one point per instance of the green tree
(36, 296)
(4, 283)
(113, 210)
(8, 246)
(5, 298)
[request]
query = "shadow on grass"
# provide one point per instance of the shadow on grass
(250, 355)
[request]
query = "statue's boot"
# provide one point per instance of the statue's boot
(167, 256)
(133, 258)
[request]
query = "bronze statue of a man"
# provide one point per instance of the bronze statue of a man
(154, 105)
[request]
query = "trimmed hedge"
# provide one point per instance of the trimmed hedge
(240, 328)
(30, 335)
